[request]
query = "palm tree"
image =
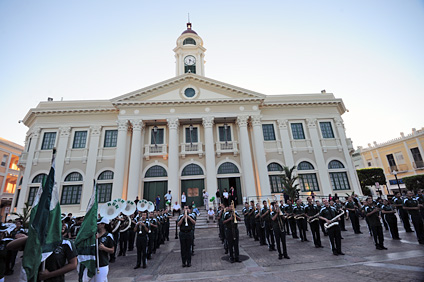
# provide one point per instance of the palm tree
(24, 216)
(288, 180)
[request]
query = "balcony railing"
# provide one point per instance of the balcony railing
(226, 147)
(418, 164)
(191, 149)
(155, 150)
(397, 168)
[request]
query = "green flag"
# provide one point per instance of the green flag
(86, 239)
(45, 230)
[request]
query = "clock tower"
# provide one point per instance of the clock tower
(190, 53)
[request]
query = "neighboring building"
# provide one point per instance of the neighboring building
(357, 159)
(402, 156)
(10, 174)
(186, 134)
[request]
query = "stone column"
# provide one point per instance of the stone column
(119, 173)
(351, 168)
(23, 197)
(173, 158)
(136, 160)
(62, 147)
(258, 138)
(90, 172)
(319, 157)
(285, 141)
(246, 157)
(211, 181)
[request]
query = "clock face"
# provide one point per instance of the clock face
(189, 60)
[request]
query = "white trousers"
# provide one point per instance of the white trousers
(98, 277)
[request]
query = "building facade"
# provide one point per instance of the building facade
(186, 134)
(402, 156)
(10, 174)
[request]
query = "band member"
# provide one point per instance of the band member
(389, 214)
(246, 219)
(420, 199)
(285, 221)
(151, 244)
(106, 247)
(383, 219)
(299, 215)
(131, 233)
(142, 230)
(339, 207)
(288, 209)
(231, 219)
(167, 224)
(413, 208)
(403, 214)
(219, 217)
(186, 223)
(251, 216)
(260, 225)
(268, 226)
(193, 215)
(328, 214)
(312, 213)
(372, 213)
(279, 231)
(123, 237)
(321, 222)
(353, 215)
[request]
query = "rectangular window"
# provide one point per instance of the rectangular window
(157, 137)
(48, 140)
(80, 138)
(297, 131)
(224, 135)
(276, 185)
(308, 182)
(391, 161)
(4, 160)
(268, 130)
(191, 135)
(192, 69)
(416, 154)
(32, 194)
(71, 195)
(339, 181)
(399, 158)
(326, 129)
(111, 138)
(104, 192)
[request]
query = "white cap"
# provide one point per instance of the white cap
(103, 220)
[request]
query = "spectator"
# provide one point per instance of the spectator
(183, 200)
(168, 198)
(206, 199)
(225, 197)
(195, 209)
(136, 200)
(211, 215)
(218, 196)
(157, 202)
(176, 208)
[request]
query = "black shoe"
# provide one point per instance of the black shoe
(237, 260)
(397, 238)
(306, 240)
(383, 248)
(342, 254)
(124, 254)
(286, 257)
(409, 231)
(231, 260)
(335, 253)
(295, 237)
(120, 254)
(280, 256)
(378, 248)
(188, 264)
(321, 246)
(184, 265)
(112, 260)
(137, 266)
(301, 240)
(226, 251)
(144, 266)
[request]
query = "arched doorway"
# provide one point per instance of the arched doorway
(155, 184)
(229, 176)
(193, 183)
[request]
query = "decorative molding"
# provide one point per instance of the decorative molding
(312, 122)
(36, 132)
(64, 131)
(283, 123)
(256, 120)
(122, 125)
(173, 123)
(208, 122)
(339, 122)
(95, 130)
(137, 124)
(242, 121)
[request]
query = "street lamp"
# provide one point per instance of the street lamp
(397, 181)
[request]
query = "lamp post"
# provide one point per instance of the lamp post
(397, 181)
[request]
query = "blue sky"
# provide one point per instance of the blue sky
(369, 53)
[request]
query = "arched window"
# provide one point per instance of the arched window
(338, 176)
(39, 178)
(228, 168)
(35, 184)
(308, 181)
(189, 41)
(71, 193)
(156, 171)
(104, 186)
(192, 169)
(275, 173)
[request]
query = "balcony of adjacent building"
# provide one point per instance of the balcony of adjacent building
(418, 165)
(399, 168)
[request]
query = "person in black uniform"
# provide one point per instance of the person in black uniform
(403, 214)
(231, 219)
(123, 237)
(131, 233)
(420, 199)
(260, 225)
(412, 206)
(383, 218)
(328, 214)
(151, 242)
(251, 216)
(321, 222)
(166, 216)
(353, 215)
(389, 214)
(285, 221)
(372, 213)
(246, 219)
(288, 209)
(268, 226)
(339, 207)
(106, 247)
(299, 214)
(193, 215)
(279, 231)
(312, 213)
(141, 229)
(186, 223)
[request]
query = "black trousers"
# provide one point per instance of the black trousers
(185, 243)
(131, 238)
(286, 224)
(151, 244)
(269, 235)
(260, 232)
(403, 214)
(141, 249)
(354, 219)
(321, 224)
(167, 230)
(315, 232)
(335, 236)
(418, 226)
(115, 244)
(280, 236)
(123, 242)
(342, 223)
(301, 224)
(253, 229)
(248, 229)
(292, 223)
(392, 222)
(377, 233)
(233, 242)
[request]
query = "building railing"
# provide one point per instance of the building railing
(191, 149)
(397, 168)
(154, 150)
(418, 164)
(226, 147)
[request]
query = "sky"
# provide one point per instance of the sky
(369, 53)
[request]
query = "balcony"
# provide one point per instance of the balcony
(191, 149)
(397, 168)
(418, 164)
(273, 146)
(301, 145)
(226, 147)
(153, 150)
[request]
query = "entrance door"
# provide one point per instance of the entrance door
(227, 183)
(193, 189)
(154, 188)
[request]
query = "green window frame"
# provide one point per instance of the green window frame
(339, 181)
(192, 169)
(268, 131)
(228, 168)
(276, 183)
(49, 140)
(224, 135)
(158, 137)
(31, 195)
(80, 139)
(71, 195)
(156, 171)
(193, 137)
(189, 40)
(326, 129)
(308, 182)
(111, 138)
(104, 191)
(297, 131)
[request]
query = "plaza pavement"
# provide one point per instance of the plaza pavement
(403, 261)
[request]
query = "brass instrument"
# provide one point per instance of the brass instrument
(333, 222)
(234, 212)
(313, 218)
(186, 220)
(280, 221)
(299, 216)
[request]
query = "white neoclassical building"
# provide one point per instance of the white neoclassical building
(186, 134)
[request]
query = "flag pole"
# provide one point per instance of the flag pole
(97, 240)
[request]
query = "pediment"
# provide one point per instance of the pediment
(172, 91)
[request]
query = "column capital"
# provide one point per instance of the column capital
(95, 130)
(122, 124)
(173, 123)
(35, 132)
(242, 121)
(64, 131)
(208, 122)
(137, 124)
(256, 120)
(312, 122)
(339, 122)
(283, 123)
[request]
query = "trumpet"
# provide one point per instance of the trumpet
(186, 221)
(313, 218)
(234, 212)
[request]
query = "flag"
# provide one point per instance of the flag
(86, 239)
(45, 229)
